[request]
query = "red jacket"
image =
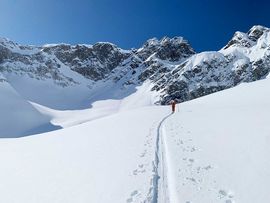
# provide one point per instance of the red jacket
(173, 103)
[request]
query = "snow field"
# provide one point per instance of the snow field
(218, 146)
(213, 149)
(105, 160)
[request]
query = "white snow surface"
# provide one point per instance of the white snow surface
(217, 147)
(19, 117)
(213, 149)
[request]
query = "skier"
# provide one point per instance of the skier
(173, 103)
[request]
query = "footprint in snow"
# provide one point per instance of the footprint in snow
(207, 167)
(135, 192)
(135, 172)
(143, 154)
(129, 200)
(223, 193)
(139, 170)
(191, 179)
(133, 196)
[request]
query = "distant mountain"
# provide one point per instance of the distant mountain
(65, 76)
(245, 58)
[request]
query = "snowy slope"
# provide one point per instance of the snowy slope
(19, 117)
(213, 150)
(217, 147)
(105, 160)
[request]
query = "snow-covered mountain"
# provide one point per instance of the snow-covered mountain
(170, 64)
(245, 58)
(67, 77)
(85, 70)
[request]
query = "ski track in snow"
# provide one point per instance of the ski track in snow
(157, 191)
(194, 176)
(163, 188)
(159, 168)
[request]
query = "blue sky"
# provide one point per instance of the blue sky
(206, 24)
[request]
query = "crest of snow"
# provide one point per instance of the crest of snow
(16, 48)
(262, 47)
(199, 59)
(54, 45)
(152, 42)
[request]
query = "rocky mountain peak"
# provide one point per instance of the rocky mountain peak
(256, 32)
(240, 39)
(171, 49)
(174, 49)
(248, 39)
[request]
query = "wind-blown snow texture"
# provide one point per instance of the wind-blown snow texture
(115, 145)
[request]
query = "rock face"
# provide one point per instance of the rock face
(93, 62)
(166, 49)
(244, 59)
(170, 64)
